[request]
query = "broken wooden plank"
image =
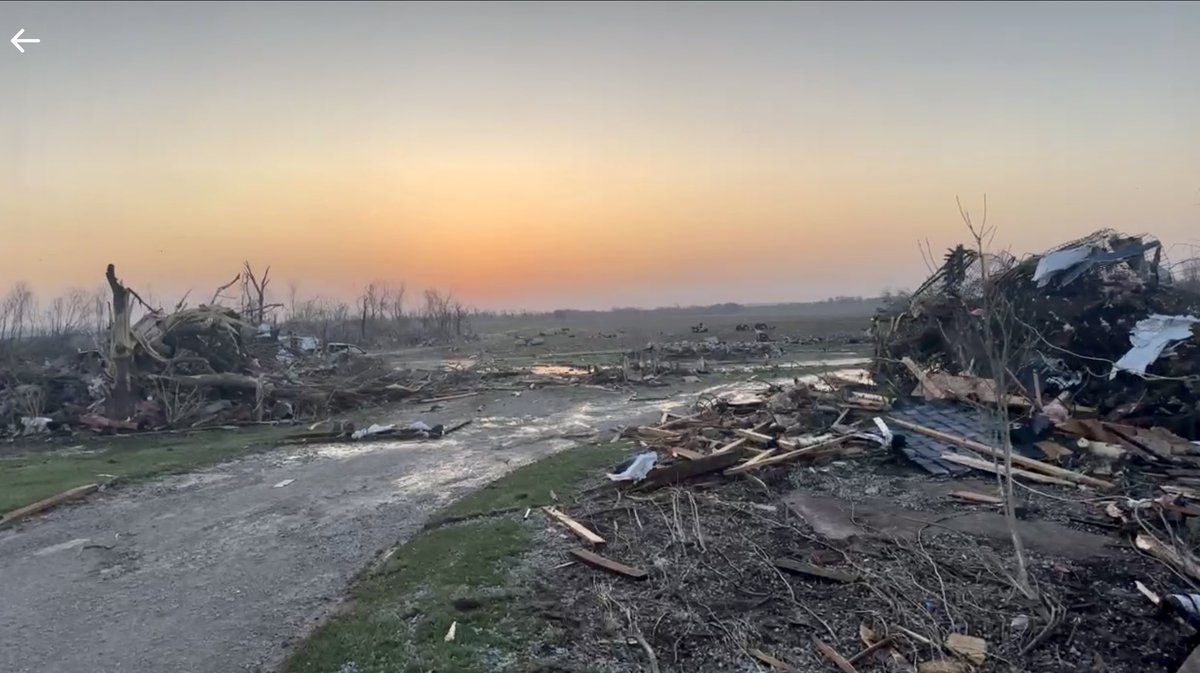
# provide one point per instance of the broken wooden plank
(735, 444)
(681, 420)
(800, 567)
(815, 449)
(832, 655)
(49, 503)
(969, 647)
(988, 466)
(1053, 450)
(580, 531)
(1182, 562)
(655, 432)
(686, 469)
(981, 498)
(688, 454)
(615, 567)
(1017, 459)
(754, 436)
(775, 664)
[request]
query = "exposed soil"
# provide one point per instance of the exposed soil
(714, 594)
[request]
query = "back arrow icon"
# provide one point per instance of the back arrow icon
(17, 41)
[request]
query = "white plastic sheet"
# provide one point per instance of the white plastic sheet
(638, 469)
(1149, 337)
(374, 429)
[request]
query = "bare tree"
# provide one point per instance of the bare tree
(1005, 349)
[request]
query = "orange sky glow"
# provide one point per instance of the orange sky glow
(587, 156)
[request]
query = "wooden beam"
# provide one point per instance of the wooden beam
(580, 531)
(688, 454)
(598, 561)
(687, 469)
(981, 498)
(987, 466)
(1017, 459)
(49, 503)
(815, 449)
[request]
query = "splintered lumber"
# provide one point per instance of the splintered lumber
(581, 531)
(49, 503)
(665, 424)
(687, 469)
(680, 452)
(1053, 450)
(655, 432)
(775, 664)
(982, 498)
(987, 466)
(1183, 562)
(790, 455)
(832, 655)
(754, 436)
(969, 647)
(598, 561)
(1017, 459)
(735, 444)
(802, 568)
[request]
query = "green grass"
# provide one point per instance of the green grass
(35, 475)
(398, 615)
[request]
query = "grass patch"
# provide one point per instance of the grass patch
(530, 486)
(29, 477)
(399, 614)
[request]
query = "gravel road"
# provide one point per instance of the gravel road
(219, 571)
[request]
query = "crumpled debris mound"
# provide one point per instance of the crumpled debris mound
(200, 367)
(713, 347)
(1095, 313)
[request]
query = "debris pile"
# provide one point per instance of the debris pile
(1095, 323)
(789, 528)
(201, 367)
(714, 348)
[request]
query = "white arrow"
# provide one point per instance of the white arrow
(17, 41)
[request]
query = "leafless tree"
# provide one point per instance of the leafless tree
(1005, 348)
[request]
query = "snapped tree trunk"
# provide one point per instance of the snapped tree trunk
(121, 401)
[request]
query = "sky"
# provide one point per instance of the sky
(548, 155)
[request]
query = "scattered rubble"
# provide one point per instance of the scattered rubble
(863, 524)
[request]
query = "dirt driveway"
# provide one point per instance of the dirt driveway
(220, 570)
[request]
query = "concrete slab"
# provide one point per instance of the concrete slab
(837, 519)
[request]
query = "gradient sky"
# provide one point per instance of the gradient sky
(589, 155)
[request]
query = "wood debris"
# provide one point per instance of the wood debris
(40, 506)
(981, 498)
(615, 567)
(580, 531)
(972, 648)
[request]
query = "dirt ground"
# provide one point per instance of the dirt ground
(715, 594)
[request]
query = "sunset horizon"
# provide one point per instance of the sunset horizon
(542, 156)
